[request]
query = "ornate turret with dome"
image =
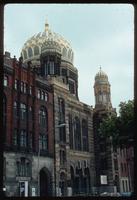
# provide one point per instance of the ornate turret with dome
(102, 90)
(52, 56)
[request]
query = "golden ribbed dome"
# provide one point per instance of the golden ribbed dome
(46, 41)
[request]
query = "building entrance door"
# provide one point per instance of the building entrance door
(44, 183)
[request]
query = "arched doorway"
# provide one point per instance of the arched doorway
(45, 183)
(72, 180)
(87, 180)
(77, 181)
(63, 184)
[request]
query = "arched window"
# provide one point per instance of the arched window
(36, 50)
(85, 135)
(104, 98)
(64, 53)
(22, 86)
(5, 80)
(16, 84)
(46, 96)
(30, 89)
(43, 95)
(25, 54)
(77, 134)
(69, 54)
(30, 52)
(39, 94)
(70, 131)
(43, 118)
(51, 67)
(100, 97)
(72, 57)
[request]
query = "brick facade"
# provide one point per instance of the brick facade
(16, 70)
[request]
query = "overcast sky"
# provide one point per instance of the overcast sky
(100, 35)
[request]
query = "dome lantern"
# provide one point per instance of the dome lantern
(46, 26)
(101, 76)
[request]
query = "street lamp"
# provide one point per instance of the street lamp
(38, 168)
(58, 126)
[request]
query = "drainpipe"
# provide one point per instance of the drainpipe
(54, 146)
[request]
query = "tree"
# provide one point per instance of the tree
(127, 118)
(120, 127)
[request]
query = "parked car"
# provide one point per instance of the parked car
(104, 194)
(126, 194)
(116, 194)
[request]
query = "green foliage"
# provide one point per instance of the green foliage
(120, 127)
(127, 117)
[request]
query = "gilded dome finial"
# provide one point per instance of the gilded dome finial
(46, 25)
